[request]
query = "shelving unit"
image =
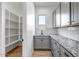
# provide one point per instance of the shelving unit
(13, 28)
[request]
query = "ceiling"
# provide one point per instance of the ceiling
(46, 4)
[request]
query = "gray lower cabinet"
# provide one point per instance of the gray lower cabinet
(45, 44)
(75, 12)
(58, 50)
(65, 53)
(41, 42)
(37, 43)
(55, 47)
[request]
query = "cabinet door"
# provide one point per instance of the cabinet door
(45, 44)
(62, 51)
(67, 54)
(78, 13)
(53, 47)
(58, 16)
(65, 14)
(54, 19)
(37, 43)
(74, 12)
(57, 50)
(52, 44)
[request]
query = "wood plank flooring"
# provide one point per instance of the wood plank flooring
(17, 52)
(42, 53)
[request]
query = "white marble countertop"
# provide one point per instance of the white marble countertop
(66, 44)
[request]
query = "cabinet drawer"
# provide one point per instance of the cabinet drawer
(41, 37)
(65, 53)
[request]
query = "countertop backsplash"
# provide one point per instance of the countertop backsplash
(71, 32)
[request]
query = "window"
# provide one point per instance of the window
(41, 20)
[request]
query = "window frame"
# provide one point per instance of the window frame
(38, 19)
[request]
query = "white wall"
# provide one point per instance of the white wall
(28, 28)
(47, 11)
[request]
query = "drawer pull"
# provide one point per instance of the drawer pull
(41, 40)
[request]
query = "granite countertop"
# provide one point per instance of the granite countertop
(69, 44)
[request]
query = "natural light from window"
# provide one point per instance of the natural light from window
(41, 20)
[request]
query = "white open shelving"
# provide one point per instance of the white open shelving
(13, 28)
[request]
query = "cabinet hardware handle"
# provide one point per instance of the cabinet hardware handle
(41, 40)
(22, 40)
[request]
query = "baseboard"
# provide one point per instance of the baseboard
(43, 49)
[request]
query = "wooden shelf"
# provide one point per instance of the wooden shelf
(13, 27)
(12, 35)
(20, 22)
(12, 43)
(55, 27)
(20, 34)
(74, 25)
(14, 21)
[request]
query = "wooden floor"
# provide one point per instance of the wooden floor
(42, 53)
(17, 52)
